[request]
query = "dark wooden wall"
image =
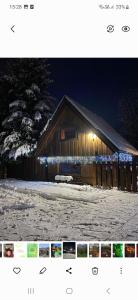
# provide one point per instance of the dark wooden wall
(27, 169)
(3, 171)
(82, 145)
(107, 175)
(95, 174)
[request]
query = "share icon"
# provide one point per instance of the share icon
(69, 270)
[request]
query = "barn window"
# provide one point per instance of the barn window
(70, 169)
(62, 134)
(67, 133)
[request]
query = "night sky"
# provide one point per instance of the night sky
(98, 84)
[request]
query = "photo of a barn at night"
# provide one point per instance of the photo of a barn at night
(81, 147)
(69, 151)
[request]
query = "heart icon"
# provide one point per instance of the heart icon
(16, 270)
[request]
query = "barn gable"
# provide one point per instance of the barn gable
(71, 116)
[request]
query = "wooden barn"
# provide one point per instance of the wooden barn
(76, 141)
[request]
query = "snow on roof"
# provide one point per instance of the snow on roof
(102, 126)
(46, 126)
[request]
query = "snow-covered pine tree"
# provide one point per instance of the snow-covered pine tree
(27, 104)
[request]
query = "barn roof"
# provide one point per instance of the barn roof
(100, 125)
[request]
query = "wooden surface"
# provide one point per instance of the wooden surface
(82, 145)
(107, 175)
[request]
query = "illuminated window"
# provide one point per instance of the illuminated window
(68, 133)
(62, 134)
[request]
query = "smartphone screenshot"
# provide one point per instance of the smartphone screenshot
(68, 149)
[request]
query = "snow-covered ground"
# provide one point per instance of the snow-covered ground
(60, 211)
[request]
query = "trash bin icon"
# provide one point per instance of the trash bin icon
(95, 271)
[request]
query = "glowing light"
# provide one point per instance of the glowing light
(92, 136)
(85, 160)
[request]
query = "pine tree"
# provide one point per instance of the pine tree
(25, 104)
(129, 116)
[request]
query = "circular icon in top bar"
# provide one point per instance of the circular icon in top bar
(125, 28)
(110, 28)
(69, 291)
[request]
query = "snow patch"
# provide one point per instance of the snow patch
(46, 126)
(2, 133)
(12, 138)
(63, 178)
(29, 92)
(66, 212)
(42, 106)
(17, 103)
(37, 116)
(17, 114)
(22, 150)
(27, 121)
(35, 88)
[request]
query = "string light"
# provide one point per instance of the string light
(123, 157)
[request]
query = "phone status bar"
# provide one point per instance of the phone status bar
(22, 6)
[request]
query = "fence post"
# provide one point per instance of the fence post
(134, 174)
(118, 172)
(115, 174)
(128, 176)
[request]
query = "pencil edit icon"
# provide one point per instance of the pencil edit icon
(43, 270)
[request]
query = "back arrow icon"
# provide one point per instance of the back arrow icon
(108, 291)
(12, 28)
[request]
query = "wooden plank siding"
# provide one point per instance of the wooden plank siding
(27, 169)
(107, 175)
(3, 171)
(82, 145)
